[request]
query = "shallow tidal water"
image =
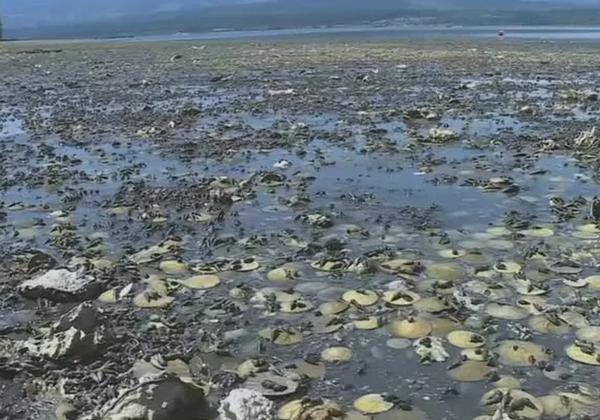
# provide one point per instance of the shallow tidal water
(305, 167)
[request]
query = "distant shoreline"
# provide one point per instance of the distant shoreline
(310, 16)
(364, 32)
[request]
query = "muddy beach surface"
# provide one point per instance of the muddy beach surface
(317, 222)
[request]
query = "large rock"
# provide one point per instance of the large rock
(61, 286)
(244, 404)
(84, 317)
(76, 335)
(158, 399)
(72, 344)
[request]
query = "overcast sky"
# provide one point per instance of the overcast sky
(23, 12)
(18, 13)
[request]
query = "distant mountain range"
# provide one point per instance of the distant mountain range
(27, 13)
(75, 18)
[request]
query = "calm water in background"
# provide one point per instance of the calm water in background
(523, 33)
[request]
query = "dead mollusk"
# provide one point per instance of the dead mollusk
(513, 401)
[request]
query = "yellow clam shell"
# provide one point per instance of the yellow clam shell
(555, 407)
(283, 274)
(404, 266)
(593, 282)
(507, 267)
(500, 244)
(538, 232)
(465, 339)
(337, 354)
(172, 267)
(507, 381)
(590, 334)
(586, 353)
(372, 404)
(470, 371)
(411, 328)
(333, 308)
(401, 297)
(498, 231)
(587, 236)
(150, 299)
(432, 304)
(361, 297)
(589, 228)
(369, 323)
(109, 296)
(291, 411)
(452, 253)
(445, 271)
(477, 355)
(508, 312)
(546, 324)
(296, 306)
(521, 353)
(201, 282)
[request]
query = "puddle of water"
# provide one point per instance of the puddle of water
(379, 177)
(575, 113)
(526, 81)
(478, 127)
(12, 127)
(95, 167)
(533, 94)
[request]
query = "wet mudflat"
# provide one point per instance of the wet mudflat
(411, 222)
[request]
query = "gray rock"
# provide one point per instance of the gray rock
(244, 404)
(72, 343)
(235, 335)
(75, 335)
(83, 317)
(162, 398)
(61, 286)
